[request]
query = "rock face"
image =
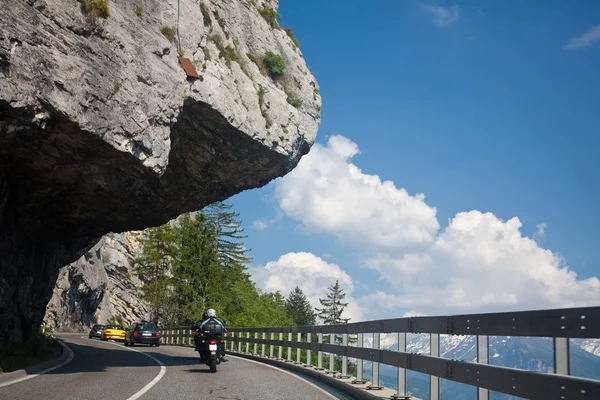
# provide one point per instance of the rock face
(101, 131)
(97, 286)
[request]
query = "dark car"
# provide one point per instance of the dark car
(142, 332)
(96, 331)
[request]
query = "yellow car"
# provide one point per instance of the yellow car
(113, 332)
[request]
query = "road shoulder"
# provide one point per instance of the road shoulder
(63, 358)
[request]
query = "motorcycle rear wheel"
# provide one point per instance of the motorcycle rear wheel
(213, 366)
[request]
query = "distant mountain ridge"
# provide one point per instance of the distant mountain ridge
(529, 353)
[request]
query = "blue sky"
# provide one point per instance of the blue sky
(480, 105)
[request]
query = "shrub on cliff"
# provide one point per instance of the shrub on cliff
(271, 16)
(168, 32)
(274, 64)
(95, 8)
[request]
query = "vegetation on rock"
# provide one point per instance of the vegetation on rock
(271, 16)
(95, 8)
(274, 64)
(169, 32)
(21, 355)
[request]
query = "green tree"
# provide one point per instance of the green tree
(331, 313)
(299, 308)
(196, 277)
(153, 267)
(232, 256)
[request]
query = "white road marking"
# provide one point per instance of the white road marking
(154, 381)
(287, 372)
(62, 364)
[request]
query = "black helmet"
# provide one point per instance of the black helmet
(204, 315)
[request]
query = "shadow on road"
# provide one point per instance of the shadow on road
(98, 358)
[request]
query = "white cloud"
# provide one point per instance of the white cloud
(260, 225)
(590, 36)
(328, 193)
(477, 263)
(443, 16)
(540, 233)
(312, 274)
(482, 263)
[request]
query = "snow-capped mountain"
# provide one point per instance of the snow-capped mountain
(529, 353)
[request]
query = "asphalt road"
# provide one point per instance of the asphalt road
(107, 371)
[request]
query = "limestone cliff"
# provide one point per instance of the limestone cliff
(102, 131)
(100, 284)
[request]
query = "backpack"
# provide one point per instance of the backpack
(213, 327)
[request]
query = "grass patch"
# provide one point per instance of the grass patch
(274, 64)
(21, 355)
(206, 52)
(271, 16)
(169, 32)
(95, 8)
(253, 2)
(139, 11)
(290, 33)
(284, 129)
(117, 87)
(294, 100)
(180, 53)
(229, 54)
(205, 14)
(236, 41)
(315, 93)
(218, 40)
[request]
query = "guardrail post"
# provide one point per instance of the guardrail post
(271, 347)
(280, 347)
(299, 351)
(308, 352)
(375, 378)
(319, 353)
(401, 371)
(344, 358)
(247, 343)
(177, 341)
(331, 355)
(289, 352)
(255, 344)
(562, 362)
(434, 381)
(483, 357)
(359, 361)
(240, 343)
(232, 342)
(262, 348)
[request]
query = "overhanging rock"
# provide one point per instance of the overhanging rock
(100, 131)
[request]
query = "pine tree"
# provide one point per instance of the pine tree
(153, 266)
(331, 313)
(196, 276)
(299, 308)
(232, 256)
(229, 233)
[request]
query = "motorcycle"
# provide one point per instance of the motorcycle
(213, 346)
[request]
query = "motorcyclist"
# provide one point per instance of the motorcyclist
(211, 317)
(197, 326)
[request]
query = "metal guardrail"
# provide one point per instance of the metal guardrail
(559, 324)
